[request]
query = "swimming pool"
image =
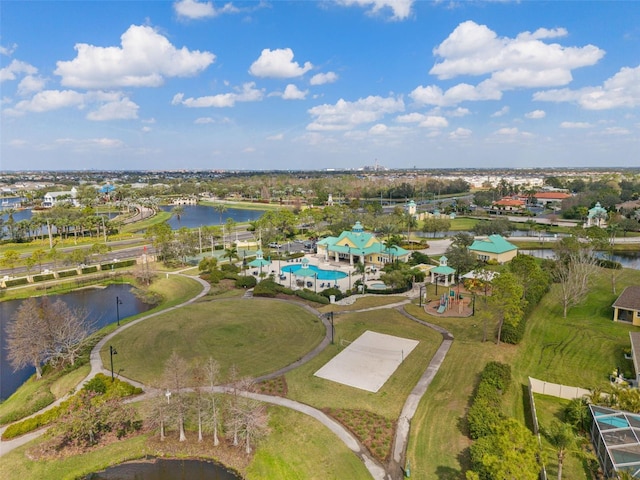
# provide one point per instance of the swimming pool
(377, 286)
(321, 274)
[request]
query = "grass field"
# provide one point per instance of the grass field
(257, 336)
(388, 401)
(579, 351)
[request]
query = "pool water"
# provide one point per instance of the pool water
(321, 274)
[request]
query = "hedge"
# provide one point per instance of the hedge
(311, 296)
(44, 277)
(92, 269)
(16, 281)
(67, 273)
(485, 412)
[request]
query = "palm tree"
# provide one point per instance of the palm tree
(177, 212)
(220, 208)
(231, 253)
(562, 438)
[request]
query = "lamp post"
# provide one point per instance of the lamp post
(330, 316)
(118, 303)
(422, 287)
(315, 283)
(112, 352)
(473, 305)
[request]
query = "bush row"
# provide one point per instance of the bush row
(485, 411)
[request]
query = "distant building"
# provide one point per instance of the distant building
(494, 247)
(508, 205)
(546, 198)
(51, 199)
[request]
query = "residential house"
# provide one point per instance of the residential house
(51, 199)
(626, 308)
(493, 248)
(508, 205)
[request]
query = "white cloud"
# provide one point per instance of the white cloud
(434, 122)
(621, 90)
(203, 120)
(511, 133)
(8, 50)
(194, 9)
(144, 59)
(503, 111)
(616, 131)
(89, 143)
(52, 100)
(248, 93)
(278, 137)
(291, 92)
(458, 112)
(278, 63)
(146, 129)
(401, 9)
(575, 125)
(322, 78)
(379, 129)
(473, 49)
(346, 115)
(123, 109)
(525, 61)
(460, 133)
(30, 84)
(536, 114)
(410, 118)
(15, 68)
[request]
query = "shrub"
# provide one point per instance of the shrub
(67, 273)
(92, 269)
(16, 281)
(42, 278)
(266, 288)
(485, 413)
(96, 385)
(332, 291)
(311, 296)
(246, 282)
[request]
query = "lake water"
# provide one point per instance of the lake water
(165, 469)
(626, 259)
(195, 216)
(100, 305)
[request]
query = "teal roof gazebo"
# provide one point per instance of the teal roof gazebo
(259, 261)
(443, 269)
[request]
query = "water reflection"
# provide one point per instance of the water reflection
(100, 305)
(194, 216)
(626, 259)
(164, 469)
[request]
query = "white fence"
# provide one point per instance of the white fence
(556, 390)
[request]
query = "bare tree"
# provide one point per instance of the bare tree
(44, 332)
(574, 273)
(212, 371)
(174, 377)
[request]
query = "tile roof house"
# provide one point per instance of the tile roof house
(544, 198)
(508, 204)
(360, 246)
(494, 247)
(626, 308)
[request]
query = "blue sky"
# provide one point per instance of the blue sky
(312, 85)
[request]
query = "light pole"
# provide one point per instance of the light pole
(330, 317)
(315, 283)
(422, 287)
(112, 352)
(118, 303)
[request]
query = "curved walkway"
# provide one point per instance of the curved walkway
(394, 469)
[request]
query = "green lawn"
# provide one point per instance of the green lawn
(580, 350)
(388, 401)
(258, 336)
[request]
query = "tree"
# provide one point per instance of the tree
(511, 453)
(574, 273)
(42, 332)
(212, 373)
(10, 258)
(507, 300)
(562, 437)
(174, 377)
(434, 225)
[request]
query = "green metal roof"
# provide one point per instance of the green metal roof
(493, 244)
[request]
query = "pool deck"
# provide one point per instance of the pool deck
(318, 261)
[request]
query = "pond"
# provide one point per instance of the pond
(100, 306)
(165, 469)
(626, 259)
(195, 216)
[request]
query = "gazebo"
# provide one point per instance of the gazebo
(305, 271)
(259, 261)
(597, 216)
(443, 269)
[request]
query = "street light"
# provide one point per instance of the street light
(422, 287)
(330, 317)
(118, 303)
(112, 352)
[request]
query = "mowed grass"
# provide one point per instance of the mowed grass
(300, 448)
(388, 401)
(580, 351)
(258, 336)
(364, 302)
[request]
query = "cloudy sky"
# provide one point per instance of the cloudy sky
(196, 84)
